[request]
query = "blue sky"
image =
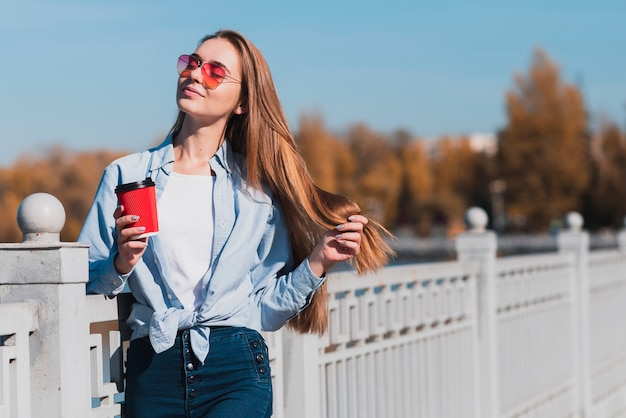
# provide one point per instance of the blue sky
(101, 74)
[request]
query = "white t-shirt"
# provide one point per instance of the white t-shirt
(186, 233)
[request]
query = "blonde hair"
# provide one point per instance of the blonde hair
(272, 158)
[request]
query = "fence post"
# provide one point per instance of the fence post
(621, 237)
(576, 241)
(302, 375)
(479, 245)
(52, 275)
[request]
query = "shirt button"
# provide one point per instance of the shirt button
(169, 296)
(189, 366)
(262, 370)
(193, 393)
(255, 344)
(260, 358)
(191, 379)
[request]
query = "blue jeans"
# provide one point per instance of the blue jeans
(234, 381)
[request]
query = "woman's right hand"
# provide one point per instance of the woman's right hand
(130, 250)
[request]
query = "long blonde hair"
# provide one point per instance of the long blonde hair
(272, 158)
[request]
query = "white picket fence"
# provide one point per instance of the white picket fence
(536, 335)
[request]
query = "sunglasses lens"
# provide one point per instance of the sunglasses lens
(186, 64)
(212, 75)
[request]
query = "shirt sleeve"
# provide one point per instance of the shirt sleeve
(283, 294)
(98, 232)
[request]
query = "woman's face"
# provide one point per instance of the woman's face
(201, 103)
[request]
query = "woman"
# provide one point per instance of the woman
(245, 241)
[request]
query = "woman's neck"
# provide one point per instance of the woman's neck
(194, 148)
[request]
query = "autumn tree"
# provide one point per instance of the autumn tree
(328, 159)
(377, 177)
(70, 177)
(417, 179)
(449, 174)
(543, 149)
(606, 201)
(460, 180)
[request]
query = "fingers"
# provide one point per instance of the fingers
(338, 245)
(130, 248)
(118, 211)
(358, 218)
(355, 223)
(349, 236)
(125, 230)
(124, 222)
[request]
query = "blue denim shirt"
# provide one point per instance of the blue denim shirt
(252, 282)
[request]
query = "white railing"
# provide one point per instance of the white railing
(106, 356)
(398, 343)
(18, 321)
(607, 338)
(535, 335)
(535, 339)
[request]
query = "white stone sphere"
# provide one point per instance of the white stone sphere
(574, 221)
(41, 213)
(476, 219)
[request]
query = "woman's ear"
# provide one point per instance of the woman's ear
(241, 108)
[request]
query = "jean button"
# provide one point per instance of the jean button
(255, 344)
(262, 370)
(189, 366)
(260, 358)
(193, 393)
(191, 379)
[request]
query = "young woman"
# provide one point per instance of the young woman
(245, 241)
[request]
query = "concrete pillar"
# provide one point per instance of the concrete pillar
(52, 275)
(479, 245)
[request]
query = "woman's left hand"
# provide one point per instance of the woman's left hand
(337, 245)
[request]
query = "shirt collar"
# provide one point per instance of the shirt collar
(224, 156)
(163, 156)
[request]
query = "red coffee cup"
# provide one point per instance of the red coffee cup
(139, 198)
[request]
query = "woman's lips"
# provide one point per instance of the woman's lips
(190, 91)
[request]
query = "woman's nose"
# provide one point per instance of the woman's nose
(196, 74)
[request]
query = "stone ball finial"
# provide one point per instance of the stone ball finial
(41, 217)
(574, 221)
(476, 219)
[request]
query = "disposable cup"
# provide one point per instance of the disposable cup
(139, 198)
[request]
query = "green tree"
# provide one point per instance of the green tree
(543, 149)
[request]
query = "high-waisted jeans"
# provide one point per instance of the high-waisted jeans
(234, 381)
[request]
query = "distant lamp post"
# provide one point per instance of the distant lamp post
(497, 189)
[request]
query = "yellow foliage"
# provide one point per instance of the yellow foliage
(543, 150)
(71, 178)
